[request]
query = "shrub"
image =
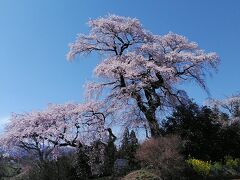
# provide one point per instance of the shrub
(232, 163)
(9, 168)
(61, 169)
(162, 154)
(141, 175)
(216, 168)
(200, 167)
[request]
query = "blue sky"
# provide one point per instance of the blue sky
(34, 38)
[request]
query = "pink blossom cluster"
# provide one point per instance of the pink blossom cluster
(58, 125)
(139, 68)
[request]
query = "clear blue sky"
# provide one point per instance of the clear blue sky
(34, 38)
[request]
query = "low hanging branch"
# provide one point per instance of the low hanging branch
(44, 132)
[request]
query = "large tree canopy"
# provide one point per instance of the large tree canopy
(141, 71)
(43, 132)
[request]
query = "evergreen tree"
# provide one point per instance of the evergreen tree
(133, 145)
(83, 169)
(129, 147)
(110, 153)
(125, 146)
(200, 130)
(133, 141)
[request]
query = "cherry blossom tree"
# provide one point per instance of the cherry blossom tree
(44, 132)
(141, 72)
(230, 105)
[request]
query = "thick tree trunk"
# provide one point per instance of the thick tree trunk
(153, 124)
(150, 114)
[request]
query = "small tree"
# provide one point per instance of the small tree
(129, 147)
(110, 153)
(125, 146)
(133, 143)
(141, 71)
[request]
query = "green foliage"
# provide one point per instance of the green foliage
(110, 158)
(230, 140)
(200, 167)
(129, 147)
(61, 169)
(69, 167)
(216, 168)
(232, 163)
(206, 136)
(110, 154)
(9, 169)
(229, 169)
(125, 146)
(82, 168)
(197, 125)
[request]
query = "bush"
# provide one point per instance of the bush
(141, 175)
(228, 170)
(200, 167)
(232, 163)
(162, 154)
(61, 169)
(217, 168)
(9, 168)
